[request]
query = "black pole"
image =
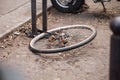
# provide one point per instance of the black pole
(44, 9)
(34, 18)
(115, 50)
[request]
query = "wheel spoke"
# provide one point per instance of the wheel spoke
(64, 2)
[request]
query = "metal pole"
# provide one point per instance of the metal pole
(115, 50)
(44, 17)
(34, 18)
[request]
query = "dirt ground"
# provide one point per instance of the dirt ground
(90, 62)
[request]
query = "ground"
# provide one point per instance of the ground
(90, 62)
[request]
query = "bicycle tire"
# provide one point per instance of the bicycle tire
(46, 51)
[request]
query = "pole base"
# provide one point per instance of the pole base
(30, 34)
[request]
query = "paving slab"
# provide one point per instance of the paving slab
(18, 16)
(7, 6)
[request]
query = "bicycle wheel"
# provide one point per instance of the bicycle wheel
(63, 5)
(62, 39)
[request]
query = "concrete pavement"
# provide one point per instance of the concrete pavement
(14, 13)
(7, 6)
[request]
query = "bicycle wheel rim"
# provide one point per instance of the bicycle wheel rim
(67, 48)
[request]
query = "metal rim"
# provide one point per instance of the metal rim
(64, 3)
(91, 37)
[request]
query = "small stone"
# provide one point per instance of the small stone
(3, 47)
(16, 33)
(10, 37)
(9, 44)
(59, 53)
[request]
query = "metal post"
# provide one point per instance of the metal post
(34, 18)
(115, 50)
(44, 9)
